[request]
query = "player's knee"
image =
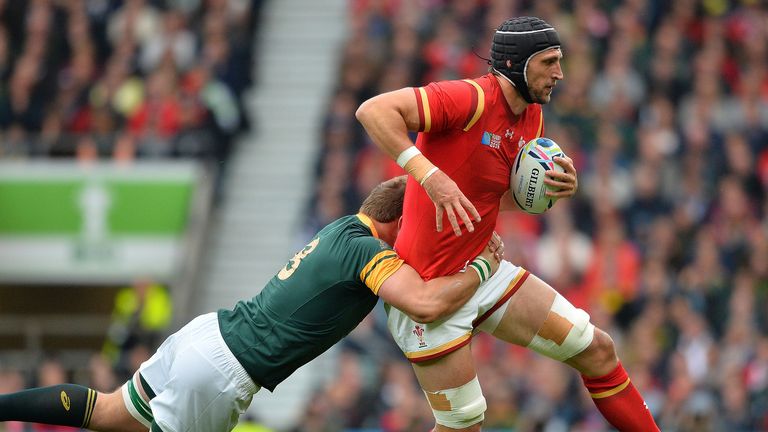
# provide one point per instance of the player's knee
(598, 359)
(110, 415)
(459, 407)
(602, 349)
(566, 331)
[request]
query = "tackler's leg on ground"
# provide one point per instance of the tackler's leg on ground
(453, 391)
(539, 318)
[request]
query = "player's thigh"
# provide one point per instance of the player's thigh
(111, 415)
(450, 371)
(526, 312)
(539, 318)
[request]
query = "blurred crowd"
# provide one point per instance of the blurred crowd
(121, 79)
(664, 109)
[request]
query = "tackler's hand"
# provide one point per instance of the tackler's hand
(449, 200)
(496, 246)
(494, 252)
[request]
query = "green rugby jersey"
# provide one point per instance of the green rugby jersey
(321, 295)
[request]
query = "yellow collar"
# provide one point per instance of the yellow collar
(369, 223)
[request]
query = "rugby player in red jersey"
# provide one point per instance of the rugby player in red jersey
(469, 133)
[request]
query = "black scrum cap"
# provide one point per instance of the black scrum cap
(517, 40)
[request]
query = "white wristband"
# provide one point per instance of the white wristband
(407, 155)
(426, 176)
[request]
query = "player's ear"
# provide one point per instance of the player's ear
(399, 223)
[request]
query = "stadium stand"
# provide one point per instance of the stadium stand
(124, 79)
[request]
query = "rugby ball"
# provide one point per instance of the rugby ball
(527, 182)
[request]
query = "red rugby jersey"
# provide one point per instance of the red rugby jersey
(468, 131)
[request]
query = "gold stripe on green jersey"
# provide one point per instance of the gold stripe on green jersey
(382, 272)
(369, 223)
(379, 268)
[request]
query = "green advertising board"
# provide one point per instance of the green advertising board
(62, 220)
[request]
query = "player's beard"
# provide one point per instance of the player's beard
(541, 96)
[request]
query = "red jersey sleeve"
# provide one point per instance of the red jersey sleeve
(449, 105)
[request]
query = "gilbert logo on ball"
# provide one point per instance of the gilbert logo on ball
(527, 182)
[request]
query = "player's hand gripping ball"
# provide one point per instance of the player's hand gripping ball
(527, 182)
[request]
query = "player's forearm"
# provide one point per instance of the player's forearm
(447, 294)
(425, 302)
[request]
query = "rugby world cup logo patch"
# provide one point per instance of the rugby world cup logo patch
(491, 140)
(419, 332)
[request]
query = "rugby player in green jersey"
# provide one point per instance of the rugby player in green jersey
(204, 376)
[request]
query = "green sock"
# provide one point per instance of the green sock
(64, 404)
